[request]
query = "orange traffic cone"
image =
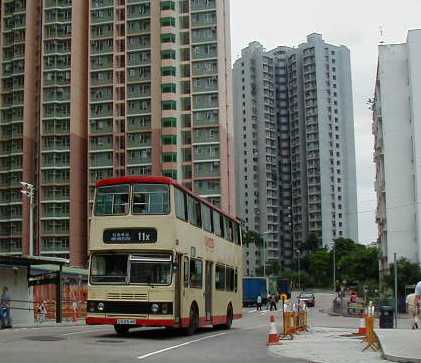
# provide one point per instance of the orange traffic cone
(273, 337)
(362, 330)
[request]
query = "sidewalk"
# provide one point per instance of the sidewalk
(400, 345)
(49, 324)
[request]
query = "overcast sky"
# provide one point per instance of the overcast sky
(355, 24)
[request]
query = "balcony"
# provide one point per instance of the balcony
(102, 15)
(139, 74)
(208, 84)
(97, 4)
(204, 68)
(203, 5)
(206, 152)
(138, 11)
(136, 140)
(104, 159)
(204, 51)
(101, 126)
(204, 135)
(139, 58)
(138, 26)
(207, 187)
(136, 157)
(139, 42)
(205, 118)
(205, 170)
(203, 19)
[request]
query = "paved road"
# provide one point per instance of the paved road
(245, 342)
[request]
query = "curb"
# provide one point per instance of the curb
(47, 325)
(394, 358)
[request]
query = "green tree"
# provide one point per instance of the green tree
(409, 273)
(359, 265)
(312, 243)
(274, 268)
(320, 266)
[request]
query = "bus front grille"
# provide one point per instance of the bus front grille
(127, 296)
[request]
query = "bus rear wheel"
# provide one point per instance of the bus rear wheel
(121, 329)
(194, 321)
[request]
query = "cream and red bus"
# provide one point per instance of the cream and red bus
(161, 256)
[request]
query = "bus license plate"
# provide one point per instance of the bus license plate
(126, 322)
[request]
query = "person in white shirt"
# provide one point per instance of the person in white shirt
(259, 303)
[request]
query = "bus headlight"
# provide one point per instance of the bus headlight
(164, 309)
(155, 308)
(100, 306)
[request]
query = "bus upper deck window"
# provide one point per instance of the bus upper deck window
(151, 199)
(112, 200)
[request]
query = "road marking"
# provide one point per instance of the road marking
(85, 331)
(179, 345)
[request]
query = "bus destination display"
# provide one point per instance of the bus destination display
(130, 235)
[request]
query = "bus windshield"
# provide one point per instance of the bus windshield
(109, 268)
(150, 199)
(150, 269)
(112, 200)
(153, 269)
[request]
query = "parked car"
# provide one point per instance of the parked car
(308, 298)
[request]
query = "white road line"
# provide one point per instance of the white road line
(85, 331)
(179, 345)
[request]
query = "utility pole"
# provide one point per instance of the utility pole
(298, 252)
(334, 266)
(28, 190)
(395, 262)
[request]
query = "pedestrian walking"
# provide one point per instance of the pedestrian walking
(259, 303)
(6, 320)
(418, 305)
(273, 303)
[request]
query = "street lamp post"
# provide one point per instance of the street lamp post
(298, 252)
(334, 265)
(264, 252)
(28, 191)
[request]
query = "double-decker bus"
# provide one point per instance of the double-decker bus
(161, 256)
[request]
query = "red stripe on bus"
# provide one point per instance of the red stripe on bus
(185, 322)
(91, 320)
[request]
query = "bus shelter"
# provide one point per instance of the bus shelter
(16, 272)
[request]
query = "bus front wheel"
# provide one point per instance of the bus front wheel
(229, 318)
(193, 321)
(121, 329)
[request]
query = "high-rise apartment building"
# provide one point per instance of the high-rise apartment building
(295, 144)
(43, 126)
(397, 149)
(159, 93)
(102, 88)
(262, 146)
(19, 103)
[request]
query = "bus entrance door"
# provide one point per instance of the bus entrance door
(177, 300)
(208, 290)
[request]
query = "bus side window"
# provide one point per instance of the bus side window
(237, 237)
(220, 277)
(193, 211)
(186, 272)
(196, 273)
(217, 223)
(230, 279)
(227, 229)
(206, 218)
(235, 280)
(180, 204)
